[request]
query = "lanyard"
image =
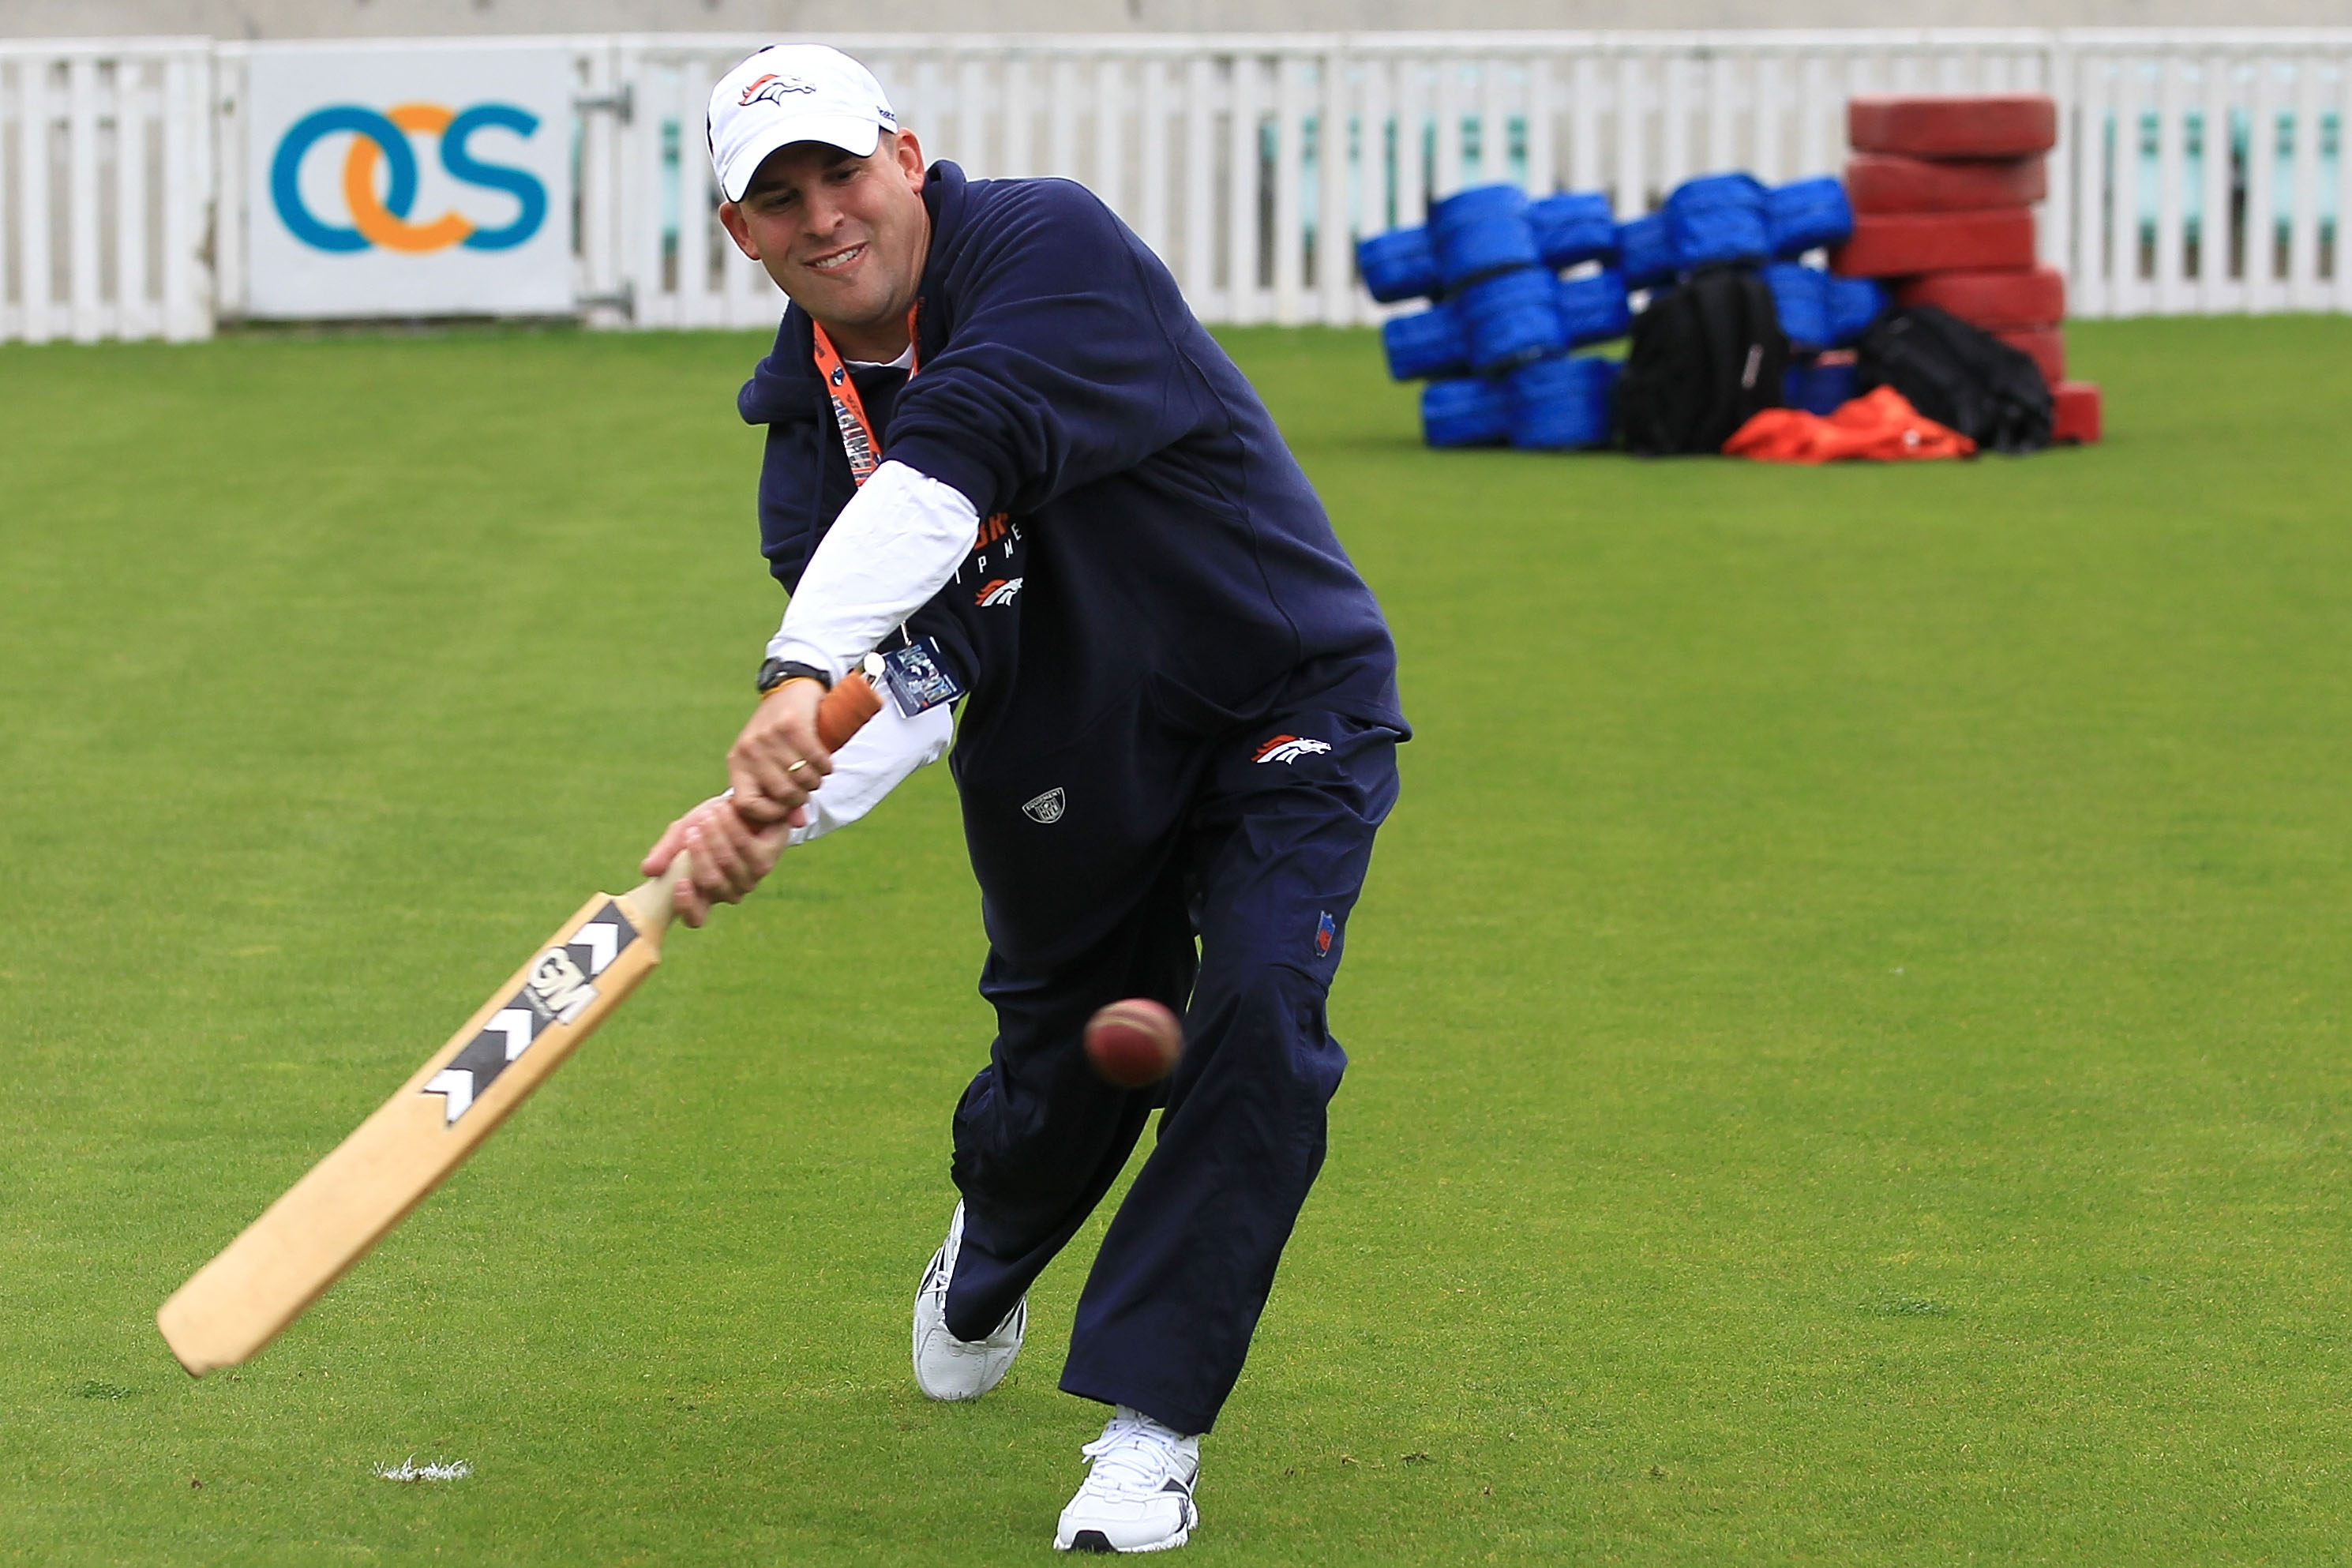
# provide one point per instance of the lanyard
(848, 409)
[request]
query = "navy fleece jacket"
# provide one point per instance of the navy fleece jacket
(1153, 573)
(1165, 539)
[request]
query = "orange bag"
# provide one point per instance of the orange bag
(1880, 425)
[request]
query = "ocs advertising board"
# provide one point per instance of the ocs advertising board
(408, 182)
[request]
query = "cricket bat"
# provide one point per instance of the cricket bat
(350, 1200)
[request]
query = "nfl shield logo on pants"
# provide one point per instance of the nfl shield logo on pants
(1046, 808)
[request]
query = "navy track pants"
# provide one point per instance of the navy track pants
(1240, 932)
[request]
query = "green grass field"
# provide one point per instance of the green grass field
(1849, 1020)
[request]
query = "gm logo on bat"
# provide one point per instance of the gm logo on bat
(382, 137)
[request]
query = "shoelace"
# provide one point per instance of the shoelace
(1131, 1455)
(936, 1282)
(942, 1274)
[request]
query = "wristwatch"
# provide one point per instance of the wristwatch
(774, 672)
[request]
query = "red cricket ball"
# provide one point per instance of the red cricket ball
(1135, 1042)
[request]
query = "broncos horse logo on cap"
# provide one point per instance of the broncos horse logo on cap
(771, 87)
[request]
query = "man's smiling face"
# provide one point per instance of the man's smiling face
(844, 236)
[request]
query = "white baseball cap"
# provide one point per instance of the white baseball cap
(787, 93)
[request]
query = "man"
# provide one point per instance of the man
(1004, 456)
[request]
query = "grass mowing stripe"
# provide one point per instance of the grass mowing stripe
(1846, 1022)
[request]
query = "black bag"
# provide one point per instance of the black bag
(1705, 357)
(1959, 375)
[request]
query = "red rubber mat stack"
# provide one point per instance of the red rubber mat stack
(1943, 192)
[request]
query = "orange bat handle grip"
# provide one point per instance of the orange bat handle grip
(845, 709)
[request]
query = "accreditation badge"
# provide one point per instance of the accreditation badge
(918, 678)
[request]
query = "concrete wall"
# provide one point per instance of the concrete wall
(339, 19)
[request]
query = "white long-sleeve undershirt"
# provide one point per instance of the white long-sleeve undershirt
(897, 543)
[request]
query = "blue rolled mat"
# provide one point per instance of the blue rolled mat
(1560, 403)
(1573, 226)
(1801, 297)
(1853, 304)
(1738, 188)
(1510, 318)
(1481, 231)
(1464, 413)
(1644, 253)
(1819, 388)
(1427, 344)
(1809, 213)
(1717, 218)
(1594, 310)
(1398, 265)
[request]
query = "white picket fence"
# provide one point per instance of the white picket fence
(2198, 171)
(106, 185)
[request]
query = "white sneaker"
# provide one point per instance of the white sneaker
(1139, 1495)
(945, 1367)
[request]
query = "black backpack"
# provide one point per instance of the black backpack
(1705, 357)
(1959, 375)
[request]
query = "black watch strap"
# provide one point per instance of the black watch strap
(776, 671)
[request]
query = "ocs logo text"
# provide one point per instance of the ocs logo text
(385, 221)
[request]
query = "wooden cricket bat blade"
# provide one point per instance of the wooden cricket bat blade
(347, 1203)
(326, 1221)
